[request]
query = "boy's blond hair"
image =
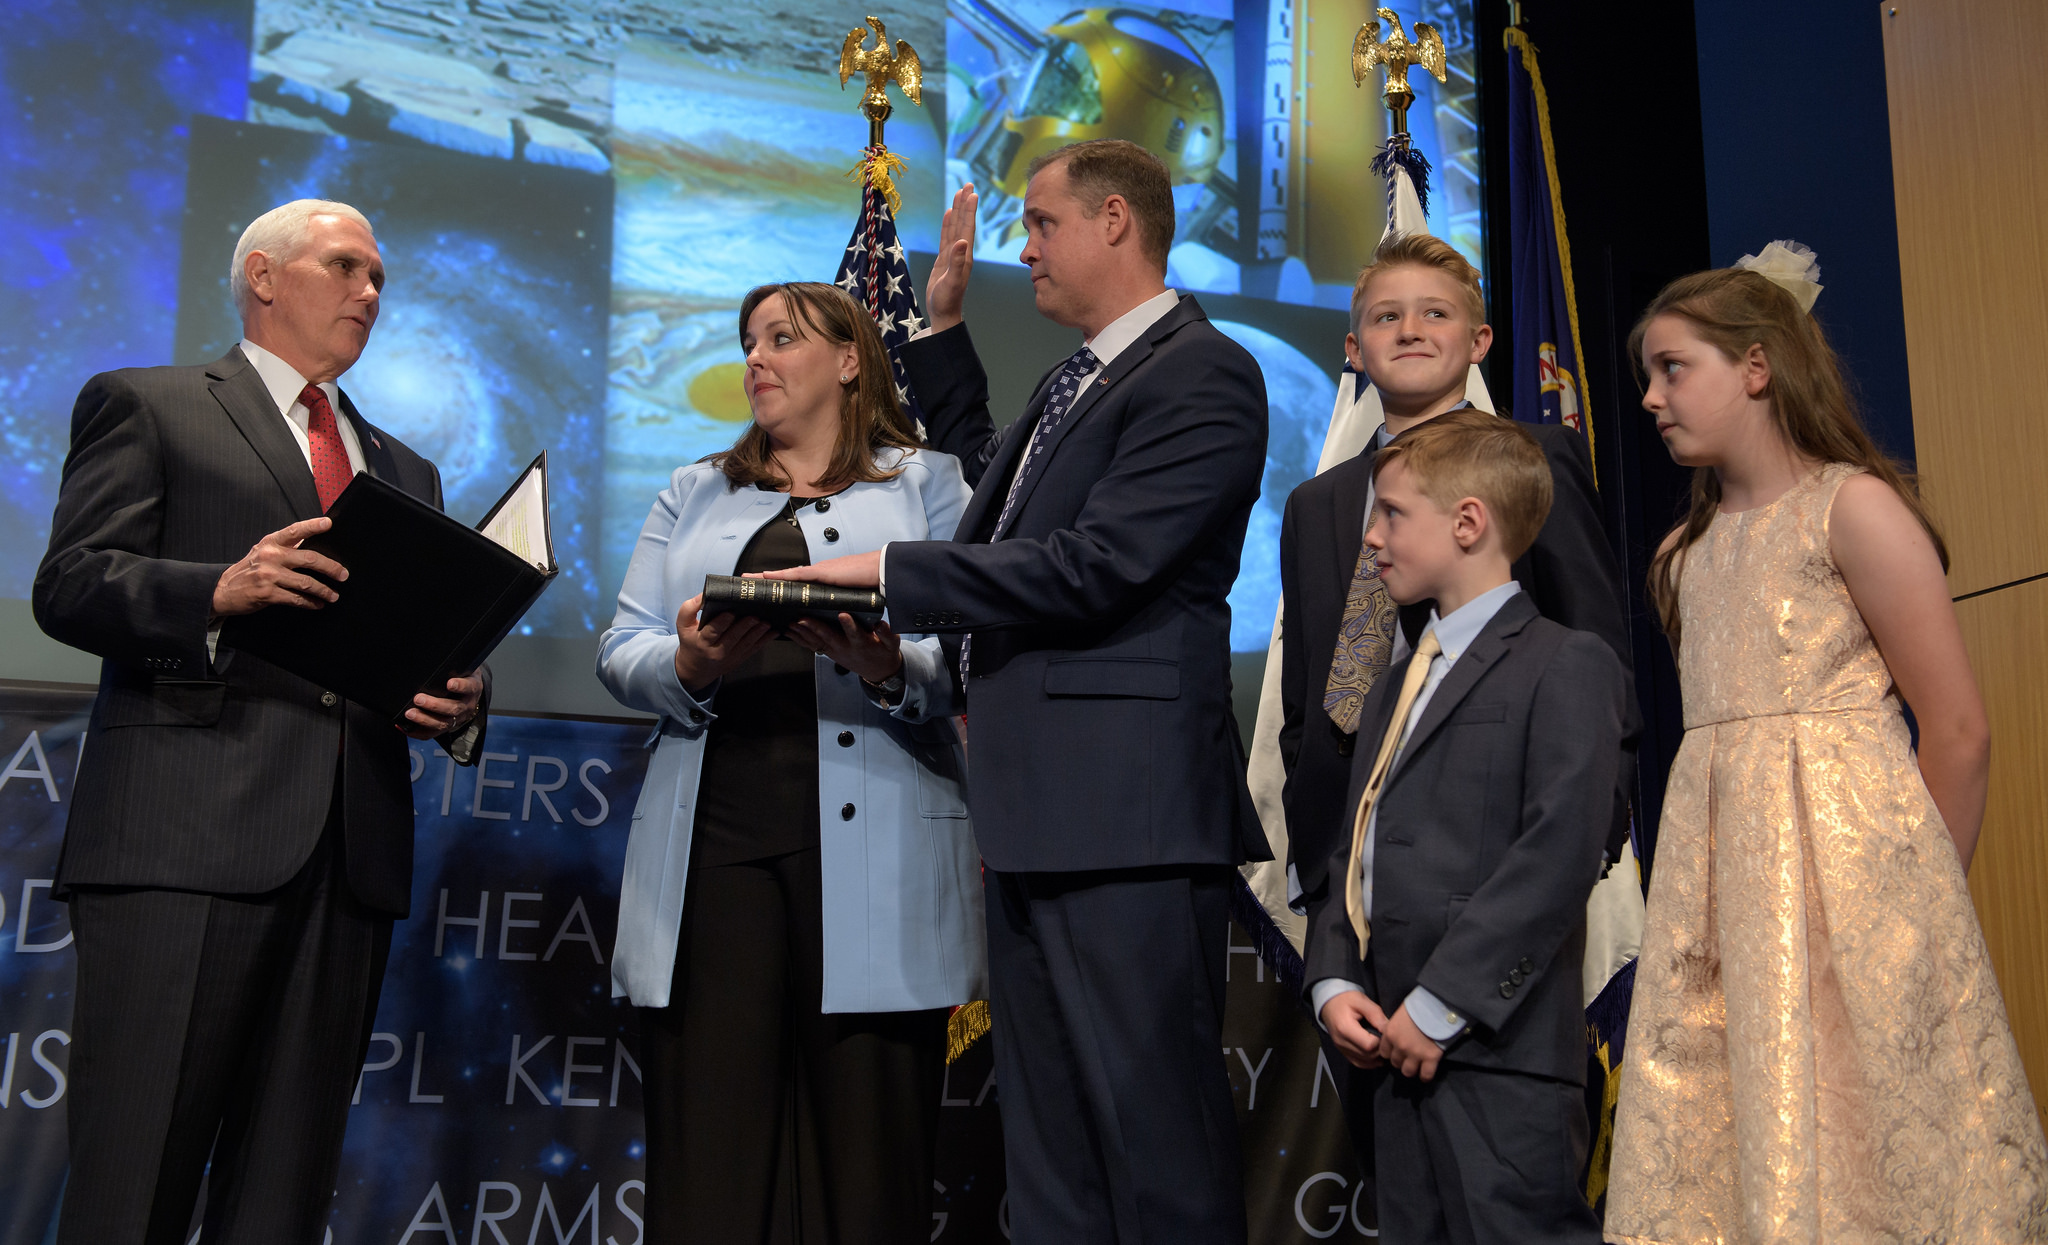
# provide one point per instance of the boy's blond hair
(1427, 251)
(1469, 453)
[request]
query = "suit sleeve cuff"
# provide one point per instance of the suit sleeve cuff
(927, 683)
(1329, 988)
(1437, 1020)
(693, 712)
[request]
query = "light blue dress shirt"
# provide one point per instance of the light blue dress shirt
(1455, 633)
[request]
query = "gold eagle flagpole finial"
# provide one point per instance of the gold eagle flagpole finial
(1395, 54)
(881, 67)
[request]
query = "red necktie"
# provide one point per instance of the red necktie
(331, 470)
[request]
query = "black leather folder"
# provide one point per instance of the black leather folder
(426, 599)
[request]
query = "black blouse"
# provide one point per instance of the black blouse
(757, 793)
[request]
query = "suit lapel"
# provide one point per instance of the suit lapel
(979, 518)
(240, 392)
(1123, 365)
(377, 457)
(1489, 647)
(1348, 500)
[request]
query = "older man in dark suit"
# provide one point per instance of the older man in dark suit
(1087, 586)
(241, 839)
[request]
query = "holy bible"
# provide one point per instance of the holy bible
(783, 601)
(426, 598)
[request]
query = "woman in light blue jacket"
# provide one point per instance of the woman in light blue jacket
(802, 900)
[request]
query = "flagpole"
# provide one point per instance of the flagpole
(875, 261)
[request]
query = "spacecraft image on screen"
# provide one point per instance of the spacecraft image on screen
(1027, 77)
(574, 195)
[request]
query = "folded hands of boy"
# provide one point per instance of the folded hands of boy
(1409, 1050)
(1369, 1038)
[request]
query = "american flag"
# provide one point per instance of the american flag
(875, 273)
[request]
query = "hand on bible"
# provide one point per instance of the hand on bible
(873, 655)
(707, 648)
(859, 570)
(278, 572)
(1355, 1022)
(434, 716)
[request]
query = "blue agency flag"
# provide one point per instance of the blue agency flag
(1548, 384)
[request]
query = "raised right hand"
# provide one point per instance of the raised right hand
(945, 293)
(278, 572)
(707, 648)
(1355, 1023)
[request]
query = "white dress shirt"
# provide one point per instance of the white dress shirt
(1115, 338)
(285, 385)
(1455, 633)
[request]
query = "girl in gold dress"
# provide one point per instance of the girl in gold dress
(1818, 1050)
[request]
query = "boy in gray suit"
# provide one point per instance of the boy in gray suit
(1446, 946)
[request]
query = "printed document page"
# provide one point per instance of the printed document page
(520, 522)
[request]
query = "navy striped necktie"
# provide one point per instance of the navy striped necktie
(1059, 400)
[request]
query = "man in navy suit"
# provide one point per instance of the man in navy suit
(1087, 587)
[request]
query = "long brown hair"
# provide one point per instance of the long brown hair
(1733, 309)
(871, 417)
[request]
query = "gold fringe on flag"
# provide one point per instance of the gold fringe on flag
(965, 1027)
(878, 167)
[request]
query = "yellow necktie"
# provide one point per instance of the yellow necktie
(1411, 687)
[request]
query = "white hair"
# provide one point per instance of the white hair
(279, 233)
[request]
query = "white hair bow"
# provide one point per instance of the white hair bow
(1790, 265)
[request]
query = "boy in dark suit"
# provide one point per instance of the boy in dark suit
(1446, 946)
(1418, 324)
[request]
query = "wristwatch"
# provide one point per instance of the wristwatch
(889, 690)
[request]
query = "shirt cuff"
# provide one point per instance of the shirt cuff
(461, 745)
(212, 642)
(1438, 1022)
(1329, 988)
(1294, 901)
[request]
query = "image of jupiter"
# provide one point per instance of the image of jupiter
(728, 174)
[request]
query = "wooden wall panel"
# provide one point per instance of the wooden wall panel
(2008, 637)
(1969, 112)
(1969, 130)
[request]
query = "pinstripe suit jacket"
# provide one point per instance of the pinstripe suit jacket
(208, 775)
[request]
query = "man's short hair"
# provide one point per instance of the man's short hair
(279, 233)
(1102, 167)
(1469, 453)
(1426, 251)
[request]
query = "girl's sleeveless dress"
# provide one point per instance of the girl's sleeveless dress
(1818, 1050)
